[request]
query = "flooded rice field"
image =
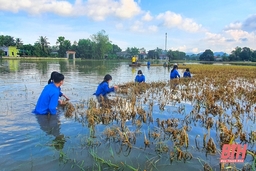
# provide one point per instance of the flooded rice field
(160, 125)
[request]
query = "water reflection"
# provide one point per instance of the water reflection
(50, 124)
(13, 65)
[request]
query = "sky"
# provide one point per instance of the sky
(192, 26)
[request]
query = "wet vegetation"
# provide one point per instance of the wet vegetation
(169, 124)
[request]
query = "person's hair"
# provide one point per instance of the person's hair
(106, 78)
(174, 67)
(140, 72)
(52, 75)
(187, 69)
(58, 77)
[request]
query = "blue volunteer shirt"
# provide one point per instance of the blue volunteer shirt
(186, 74)
(60, 94)
(103, 89)
(48, 100)
(140, 79)
(174, 74)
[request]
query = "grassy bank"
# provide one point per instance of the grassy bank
(33, 58)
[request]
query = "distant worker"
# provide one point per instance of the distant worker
(133, 60)
(187, 73)
(140, 78)
(165, 65)
(148, 63)
(103, 89)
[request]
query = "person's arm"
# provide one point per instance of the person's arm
(53, 103)
(107, 89)
(66, 97)
(143, 80)
(178, 74)
(136, 78)
(189, 74)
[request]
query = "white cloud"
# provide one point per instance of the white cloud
(97, 10)
(138, 27)
(182, 48)
(153, 28)
(147, 17)
(172, 20)
(37, 7)
(214, 38)
(239, 35)
(234, 26)
(195, 50)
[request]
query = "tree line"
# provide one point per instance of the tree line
(239, 54)
(99, 46)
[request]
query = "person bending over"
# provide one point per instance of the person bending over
(48, 100)
(103, 89)
(50, 81)
(174, 72)
(187, 73)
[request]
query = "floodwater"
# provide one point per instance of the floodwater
(25, 139)
(28, 142)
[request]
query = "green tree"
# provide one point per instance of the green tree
(246, 54)
(102, 44)
(1, 53)
(85, 48)
(207, 56)
(116, 48)
(235, 54)
(27, 50)
(18, 42)
(63, 46)
(42, 46)
(7, 40)
(254, 56)
(151, 54)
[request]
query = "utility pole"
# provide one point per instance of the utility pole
(165, 41)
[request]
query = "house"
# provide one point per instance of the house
(124, 54)
(218, 58)
(142, 55)
(10, 51)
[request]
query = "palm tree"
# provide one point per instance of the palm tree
(44, 45)
(18, 42)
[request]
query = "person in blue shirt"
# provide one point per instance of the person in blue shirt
(187, 73)
(48, 100)
(50, 81)
(140, 78)
(148, 64)
(103, 89)
(174, 72)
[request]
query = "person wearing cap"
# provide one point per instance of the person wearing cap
(187, 73)
(140, 78)
(103, 89)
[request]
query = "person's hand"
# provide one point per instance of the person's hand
(66, 97)
(115, 87)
